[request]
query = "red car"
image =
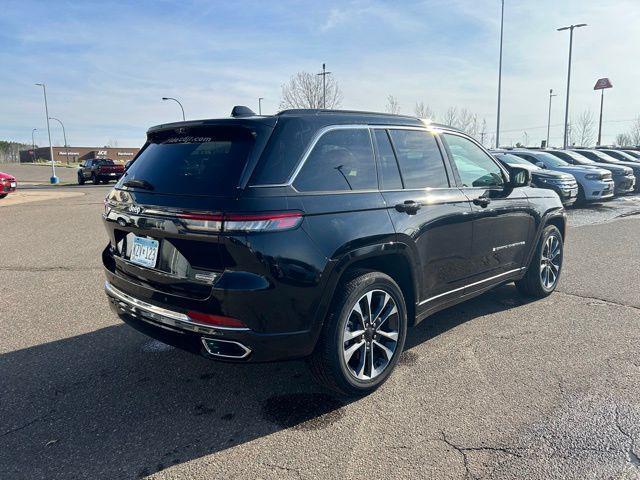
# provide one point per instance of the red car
(8, 184)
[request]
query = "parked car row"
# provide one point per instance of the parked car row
(597, 174)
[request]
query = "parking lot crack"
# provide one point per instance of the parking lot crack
(631, 455)
(288, 469)
(25, 425)
(48, 269)
(464, 450)
(603, 300)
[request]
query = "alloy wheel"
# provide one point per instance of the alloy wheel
(550, 262)
(370, 335)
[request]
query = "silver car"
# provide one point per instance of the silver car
(594, 183)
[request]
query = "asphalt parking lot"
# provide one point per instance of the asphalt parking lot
(498, 387)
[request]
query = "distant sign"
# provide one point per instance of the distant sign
(603, 83)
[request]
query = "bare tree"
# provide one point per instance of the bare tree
(424, 111)
(451, 116)
(634, 134)
(467, 122)
(584, 131)
(483, 131)
(623, 140)
(392, 105)
(304, 90)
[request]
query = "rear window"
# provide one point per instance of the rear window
(106, 162)
(198, 161)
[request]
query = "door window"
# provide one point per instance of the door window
(341, 160)
(387, 164)
(475, 167)
(419, 158)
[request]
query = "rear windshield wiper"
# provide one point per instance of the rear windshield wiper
(134, 182)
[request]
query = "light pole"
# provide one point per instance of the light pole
(551, 95)
(33, 144)
(64, 134)
(324, 74)
(566, 110)
(500, 77)
(260, 105)
(53, 178)
(175, 100)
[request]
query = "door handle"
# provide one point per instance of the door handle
(482, 201)
(409, 206)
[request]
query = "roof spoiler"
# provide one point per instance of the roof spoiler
(242, 111)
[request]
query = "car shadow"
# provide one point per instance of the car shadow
(114, 404)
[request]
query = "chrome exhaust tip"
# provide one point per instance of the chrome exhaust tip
(225, 348)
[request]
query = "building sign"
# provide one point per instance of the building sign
(603, 83)
(64, 152)
(125, 154)
(101, 153)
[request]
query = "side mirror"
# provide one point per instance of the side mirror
(540, 164)
(519, 177)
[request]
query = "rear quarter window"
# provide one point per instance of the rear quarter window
(341, 159)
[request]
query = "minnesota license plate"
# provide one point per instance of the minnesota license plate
(144, 252)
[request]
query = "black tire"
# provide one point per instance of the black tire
(328, 360)
(80, 179)
(2, 195)
(95, 179)
(533, 283)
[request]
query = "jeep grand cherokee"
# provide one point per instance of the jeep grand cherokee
(320, 234)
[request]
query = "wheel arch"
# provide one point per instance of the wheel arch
(393, 259)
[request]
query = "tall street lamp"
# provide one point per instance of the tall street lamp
(551, 95)
(500, 77)
(53, 178)
(175, 100)
(33, 144)
(260, 105)
(64, 134)
(566, 109)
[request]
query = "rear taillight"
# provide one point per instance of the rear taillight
(216, 320)
(267, 222)
(263, 222)
(201, 222)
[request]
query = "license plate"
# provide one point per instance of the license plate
(13, 184)
(112, 174)
(144, 252)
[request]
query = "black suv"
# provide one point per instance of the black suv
(320, 234)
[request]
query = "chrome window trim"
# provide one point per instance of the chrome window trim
(320, 133)
(471, 285)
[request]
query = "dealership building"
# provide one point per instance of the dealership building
(78, 154)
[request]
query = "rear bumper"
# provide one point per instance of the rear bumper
(220, 343)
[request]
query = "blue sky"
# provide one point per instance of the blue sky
(107, 64)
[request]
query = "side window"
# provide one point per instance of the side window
(341, 160)
(420, 160)
(388, 166)
(476, 168)
(528, 158)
